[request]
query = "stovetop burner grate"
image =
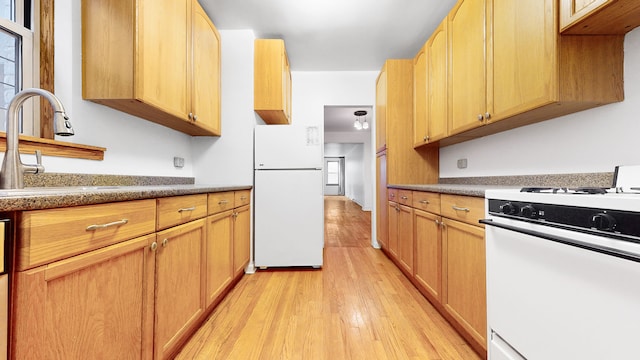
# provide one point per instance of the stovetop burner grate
(555, 190)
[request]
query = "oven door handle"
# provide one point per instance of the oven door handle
(563, 240)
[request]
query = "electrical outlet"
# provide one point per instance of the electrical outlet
(178, 162)
(462, 163)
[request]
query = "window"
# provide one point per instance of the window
(333, 172)
(17, 57)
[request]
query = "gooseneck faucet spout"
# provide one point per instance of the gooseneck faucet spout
(13, 170)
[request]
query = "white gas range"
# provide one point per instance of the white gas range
(563, 273)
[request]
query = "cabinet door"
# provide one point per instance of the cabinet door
(219, 254)
(162, 71)
(206, 71)
(525, 74)
(428, 238)
(573, 11)
(381, 111)
(382, 222)
(95, 305)
(179, 294)
(394, 215)
(437, 77)
(467, 65)
(420, 91)
(241, 239)
(463, 277)
(405, 238)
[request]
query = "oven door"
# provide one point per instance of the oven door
(561, 294)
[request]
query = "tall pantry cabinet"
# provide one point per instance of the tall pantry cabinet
(397, 162)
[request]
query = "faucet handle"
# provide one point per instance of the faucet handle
(36, 168)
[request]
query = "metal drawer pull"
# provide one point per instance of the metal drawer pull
(403, 197)
(223, 202)
(424, 202)
(243, 198)
(102, 226)
(460, 208)
(187, 209)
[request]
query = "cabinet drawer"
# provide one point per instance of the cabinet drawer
(405, 197)
(392, 194)
(180, 209)
(242, 197)
(468, 209)
(220, 201)
(53, 234)
(426, 201)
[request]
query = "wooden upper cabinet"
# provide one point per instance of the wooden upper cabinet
(206, 71)
(141, 57)
(381, 110)
(437, 103)
(272, 81)
(468, 65)
(582, 17)
(530, 72)
(420, 94)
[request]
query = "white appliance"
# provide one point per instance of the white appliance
(563, 273)
(289, 200)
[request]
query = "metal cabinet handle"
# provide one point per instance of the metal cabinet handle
(190, 116)
(487, 116)
(425, 202)
(165, 242)
(103, 226)
(480, 117)
(186, 209)
(154, 246)
(223, 202)
(403, 197)
(195, 117)
(460, 208)
(243, 198)
(235, 214)
(392, 195)
(437, 222)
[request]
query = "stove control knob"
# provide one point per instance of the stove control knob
(508, 209)
(603, 221)
(529, 211)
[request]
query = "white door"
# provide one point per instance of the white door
(334, 176)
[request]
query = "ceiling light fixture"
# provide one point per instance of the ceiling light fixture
(359, 123)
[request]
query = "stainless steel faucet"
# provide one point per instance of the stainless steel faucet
(13, 170)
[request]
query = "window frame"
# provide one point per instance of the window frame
(43, 30)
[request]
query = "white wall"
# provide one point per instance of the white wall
(362, 184)
(594, 140)
(134, 146)
(229, 159)
(354, 164)
(312, 90)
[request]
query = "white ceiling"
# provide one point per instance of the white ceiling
(336, 35)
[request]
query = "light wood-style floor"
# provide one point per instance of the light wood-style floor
(358, 306)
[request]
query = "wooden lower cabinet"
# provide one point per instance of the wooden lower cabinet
(96, 305)
(428, 239)
(405, 238)
(393, 214)
(241, 239)
(219, 254)
(464, 278)
(179, 290)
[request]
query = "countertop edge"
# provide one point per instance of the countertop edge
(44, 198)
(453, 189)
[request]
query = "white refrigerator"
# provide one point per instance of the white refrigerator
(289, 200)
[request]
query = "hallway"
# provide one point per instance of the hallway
(359, 306)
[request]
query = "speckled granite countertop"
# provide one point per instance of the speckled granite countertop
(476, 186)
(455, 189)
(57, 197)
